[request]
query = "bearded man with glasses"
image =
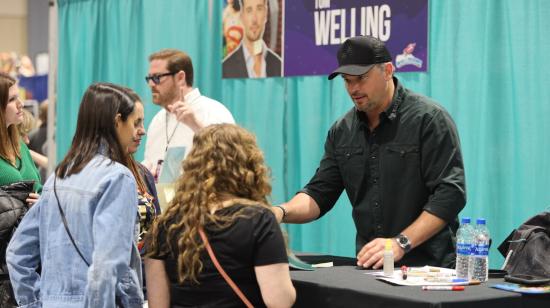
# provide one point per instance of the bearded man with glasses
(184, 109)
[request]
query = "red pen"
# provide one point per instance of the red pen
(404, 272)
(443, 288)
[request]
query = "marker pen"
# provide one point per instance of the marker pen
(404, 271)
(443, 288)
(446, 280)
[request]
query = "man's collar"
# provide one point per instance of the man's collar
(248, 55)
(189, 97)
(192, 96)
(390, 112)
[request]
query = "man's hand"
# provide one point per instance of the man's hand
(372, 254)
(185, 114)
(278, 213)
(422, 229)
(300, 209)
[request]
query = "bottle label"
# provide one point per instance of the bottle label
(481, 250)
(463, 249)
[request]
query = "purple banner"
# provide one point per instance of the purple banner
(314, 30)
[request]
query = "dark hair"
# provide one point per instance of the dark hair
(9, 137)
(177, 60)
(237, 5)
(133, 165)
(95, 127)
(241, 4)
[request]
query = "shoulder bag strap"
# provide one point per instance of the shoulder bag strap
(65, 222)
(222, 272)
(118, 301)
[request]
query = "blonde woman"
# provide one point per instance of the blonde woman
(28, 124)
(223, 191)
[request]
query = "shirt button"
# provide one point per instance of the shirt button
(376, 204)
(375, 181)
(373, 157)
(379, 227)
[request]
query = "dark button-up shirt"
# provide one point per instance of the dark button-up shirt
(408, 164)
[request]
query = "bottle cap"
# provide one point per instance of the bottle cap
(466, 220)
(481, 221)
(388, 245)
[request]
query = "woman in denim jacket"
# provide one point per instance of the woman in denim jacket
(98, 196)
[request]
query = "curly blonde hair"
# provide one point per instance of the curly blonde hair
(225, 166)
(28, 124)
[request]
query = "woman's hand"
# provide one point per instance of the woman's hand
(32, 199)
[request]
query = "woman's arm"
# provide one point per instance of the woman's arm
(39, 159)
(23, 258)
(275, 285)
(158, 285)
(113, 236)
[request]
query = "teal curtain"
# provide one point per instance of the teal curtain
(488, 65)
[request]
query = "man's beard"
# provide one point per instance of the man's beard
(165, 99)
(254, 36)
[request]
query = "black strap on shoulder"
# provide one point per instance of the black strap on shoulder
(118, 301)
(65, 221)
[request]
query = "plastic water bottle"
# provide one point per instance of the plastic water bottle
(479, 261)
(464, 244)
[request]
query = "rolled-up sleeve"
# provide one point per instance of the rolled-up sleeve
(326, 186)
(442, 167)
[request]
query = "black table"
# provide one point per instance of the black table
(345, 286)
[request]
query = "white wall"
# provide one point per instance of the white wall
(13, 26)
(37, 27)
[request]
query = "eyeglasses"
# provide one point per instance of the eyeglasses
(156, 78)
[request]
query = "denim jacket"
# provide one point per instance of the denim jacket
(100, 205)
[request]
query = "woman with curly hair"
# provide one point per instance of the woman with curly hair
(222, 192)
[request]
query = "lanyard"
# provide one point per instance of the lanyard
(169, 139)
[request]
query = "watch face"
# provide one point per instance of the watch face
(404, 242)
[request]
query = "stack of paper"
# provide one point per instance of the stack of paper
(423, 276)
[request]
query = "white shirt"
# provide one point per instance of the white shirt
(207, 111)
(249, 60)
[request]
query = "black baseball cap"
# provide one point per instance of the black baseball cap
(358, 54)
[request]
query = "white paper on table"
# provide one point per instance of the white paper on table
(416, 276)
(323, 265)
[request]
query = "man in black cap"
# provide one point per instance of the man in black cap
(397, 155)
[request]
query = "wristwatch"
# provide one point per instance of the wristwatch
(403, 242)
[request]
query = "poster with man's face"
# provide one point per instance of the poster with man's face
(266, 38)
(252, 38)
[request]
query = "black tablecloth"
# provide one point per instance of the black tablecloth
(346, 286)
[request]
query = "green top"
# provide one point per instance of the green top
(24, 169)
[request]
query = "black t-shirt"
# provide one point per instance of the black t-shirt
(252, 240)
